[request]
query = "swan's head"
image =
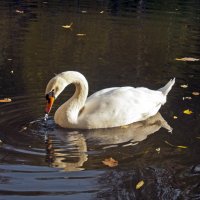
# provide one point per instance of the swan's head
(55, 86)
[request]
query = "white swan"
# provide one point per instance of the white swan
(106, 108)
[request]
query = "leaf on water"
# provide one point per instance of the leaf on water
(175, 117)
(187, 98)
(179, 146)
(5, 100)
(158, 150)
(67, 26)
(183, 147)
(139, 185)
(184, 86)
(187, 112)
(110, 162)
(187, 59)
(102, 12)
(196, 93)
(19, 11)
(80, 34)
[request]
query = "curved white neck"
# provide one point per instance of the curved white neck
(70, 109)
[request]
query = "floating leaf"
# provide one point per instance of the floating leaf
(102, 12)
(139, 185)
(175, 117)
(187, 98)
(179, 146)
(80, 34)
(110, 162)
(158, 150)
(184, 86)
(183, 147)
(196, 93)
(68, 26)
(187, 112)
(19, 11)
(5, 100)
(187, 59)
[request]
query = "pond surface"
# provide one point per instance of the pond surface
(113, 43)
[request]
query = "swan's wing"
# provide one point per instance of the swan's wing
(119, 106)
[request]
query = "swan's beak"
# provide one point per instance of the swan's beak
(50, 100)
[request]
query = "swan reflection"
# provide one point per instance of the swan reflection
(72, 154)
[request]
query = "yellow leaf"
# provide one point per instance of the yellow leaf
(6, 100)
(187, 112)
(139, 185)
(110, 162)
(187, 59)
(183, 147)
(67, 26)
(196, 93)
(81, 34)
(175, 117)
(179, 146)
(184, 86)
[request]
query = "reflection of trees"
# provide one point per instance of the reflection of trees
(134, 37)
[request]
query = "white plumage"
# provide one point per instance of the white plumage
(106, 108)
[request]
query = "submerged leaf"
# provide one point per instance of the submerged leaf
(110, 162)
(187, 59)
(139, 185)
(187, 112)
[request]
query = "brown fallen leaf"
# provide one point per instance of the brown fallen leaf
(110, 162)
(196, 93)
(5, 100)
(139, 185)
(187, 112)
(198, 138)
(187, 59)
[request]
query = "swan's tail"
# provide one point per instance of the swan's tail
(165, 90)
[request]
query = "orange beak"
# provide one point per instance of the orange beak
(49, 105)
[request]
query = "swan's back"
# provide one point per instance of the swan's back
(120, 106)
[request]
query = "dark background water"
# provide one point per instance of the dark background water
(124, 43)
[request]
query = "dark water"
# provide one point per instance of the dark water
(124, 43)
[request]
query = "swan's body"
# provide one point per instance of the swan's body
(106, 108)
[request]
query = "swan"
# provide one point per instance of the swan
(107, 108)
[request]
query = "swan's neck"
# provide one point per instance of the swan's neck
(67, 114)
